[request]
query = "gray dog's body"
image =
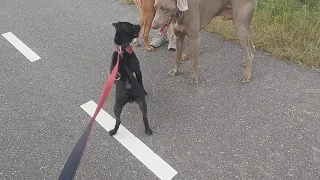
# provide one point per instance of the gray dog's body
(197, 17)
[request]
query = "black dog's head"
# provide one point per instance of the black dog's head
(125, 32)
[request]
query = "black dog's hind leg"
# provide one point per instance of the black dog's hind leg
(143, 107)
(117, 112)
(139, 79)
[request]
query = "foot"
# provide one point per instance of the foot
(159, 40)
(194, 79)
(172, 46)
(173, 72)
(148, 131)
(246, 78)
(112, 132)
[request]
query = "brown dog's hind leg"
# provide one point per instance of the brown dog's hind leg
(143, 107)
(180, 42)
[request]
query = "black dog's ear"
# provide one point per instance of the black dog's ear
(116, 25)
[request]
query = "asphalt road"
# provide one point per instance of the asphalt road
(217, 129)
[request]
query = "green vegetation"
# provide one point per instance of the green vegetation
(288, 29)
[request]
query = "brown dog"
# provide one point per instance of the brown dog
(190, 16)
(147, 13)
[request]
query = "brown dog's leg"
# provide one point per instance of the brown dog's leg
(180, 42)
(147, 13)
(195, 61)
(146, 30)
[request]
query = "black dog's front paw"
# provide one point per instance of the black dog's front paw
(148, 131)
(112, 132)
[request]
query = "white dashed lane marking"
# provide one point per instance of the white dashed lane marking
(142, 152)
(20, 46)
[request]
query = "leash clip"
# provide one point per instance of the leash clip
(120, 51)
(118, 76)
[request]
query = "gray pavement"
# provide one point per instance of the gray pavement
(218, 129)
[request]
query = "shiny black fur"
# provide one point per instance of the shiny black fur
(129, 88)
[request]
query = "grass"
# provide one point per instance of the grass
(288, 29)
(130, 2)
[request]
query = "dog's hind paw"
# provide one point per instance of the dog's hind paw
(173, 72)
(148, 131)
(193, 80)
(246, 78)
(112, 132)
(150, 48)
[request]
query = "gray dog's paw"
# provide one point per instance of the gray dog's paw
(246, 78)
(173, 72)
(193, 79)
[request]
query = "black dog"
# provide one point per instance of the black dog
(129, 88)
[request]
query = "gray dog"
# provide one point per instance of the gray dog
(189, 17)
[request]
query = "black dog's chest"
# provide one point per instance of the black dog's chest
(128, 85)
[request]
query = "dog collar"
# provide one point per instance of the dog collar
(126, 47)
(119, 49)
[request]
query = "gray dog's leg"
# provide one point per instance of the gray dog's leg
(180, 42)
(242, 18)
(196, 61)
